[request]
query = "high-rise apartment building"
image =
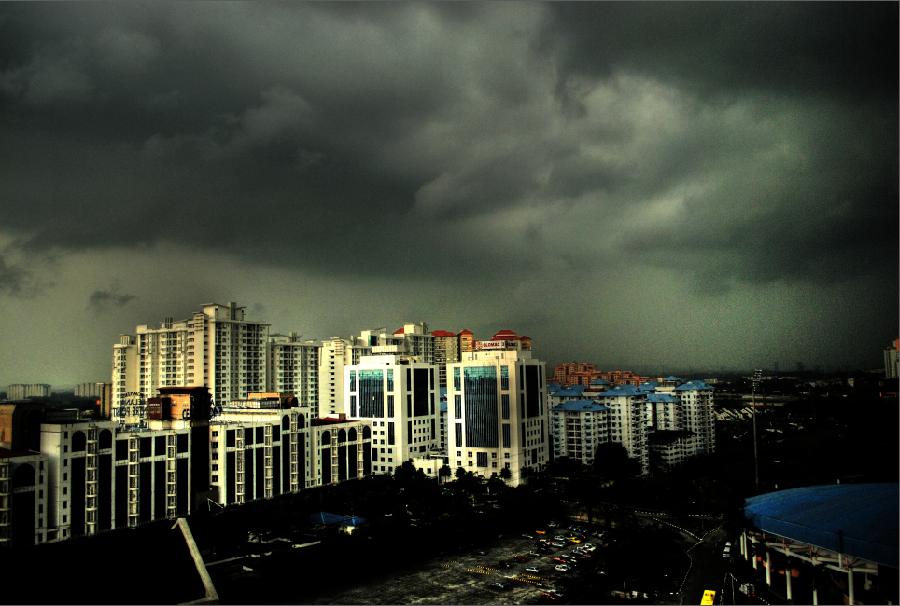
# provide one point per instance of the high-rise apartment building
(696, 401)
(398, 394)
(627, 421)
(335, 354)
(891, 368)
(294, 368)
(217, 348)
(446, 351)
(22, 391)
(579, 427)
(498, 416)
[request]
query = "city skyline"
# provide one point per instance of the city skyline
(636, 185)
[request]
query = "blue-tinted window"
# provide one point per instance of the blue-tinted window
(352, 380)
(481, 406)
(390, 405)
(371, 393)
(390, 379)
(504, 377)
(504, 406)
(456, 377)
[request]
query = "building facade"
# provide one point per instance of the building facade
(627, 421)
(294, 368)
(23, 391)
(398, 394)
(217, 348)
(579, 427)
(498, 416)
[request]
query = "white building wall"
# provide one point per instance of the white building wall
(399, 433)
(476, 438)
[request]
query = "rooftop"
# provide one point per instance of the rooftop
(580, 406)
(854, 519)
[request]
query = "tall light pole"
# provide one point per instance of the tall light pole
(757, 375)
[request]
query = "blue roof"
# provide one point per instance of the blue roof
(647, 386)
(568, 392)
(693, 386)
(660, 397)
(672, 378)
(854, 519)
(581, 406)
(621, 390)
(599, 382)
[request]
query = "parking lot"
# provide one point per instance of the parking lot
(497, 574)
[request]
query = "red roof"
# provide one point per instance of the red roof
(465, 331)
(505, 335)
(399, 331)
(442, 333)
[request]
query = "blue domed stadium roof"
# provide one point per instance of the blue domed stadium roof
(854, 519)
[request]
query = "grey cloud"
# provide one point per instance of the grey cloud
(15, 280)
(731, 144)
(101, 300)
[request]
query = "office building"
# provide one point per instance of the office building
(498, 416)
(398, 394)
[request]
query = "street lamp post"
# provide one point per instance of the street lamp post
(757, 375)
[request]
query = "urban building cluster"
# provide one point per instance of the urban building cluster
(217, 409)
(660, 422)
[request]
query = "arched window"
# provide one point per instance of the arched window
(286, 422)
(326, 438)
(300, 422)
(105, 439)
(342, 436)
(367, 432)
(79, 441)
(351, 435)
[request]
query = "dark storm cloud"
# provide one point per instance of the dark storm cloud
(14, 280)
(731, 142)
(101, 300)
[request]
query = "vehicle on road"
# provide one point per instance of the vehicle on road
(726, 552)
(534, 569)
(562, 567)
(709, 598)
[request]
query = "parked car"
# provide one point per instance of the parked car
(562, 567)
(533, 569)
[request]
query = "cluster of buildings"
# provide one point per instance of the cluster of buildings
(216, 409)
(660, 423)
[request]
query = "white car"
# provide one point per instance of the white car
(532, 569)
(562, 567)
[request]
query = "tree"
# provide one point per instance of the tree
(611, 461)
(445, 472)
(506, 474)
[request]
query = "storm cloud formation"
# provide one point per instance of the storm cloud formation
(633, 180)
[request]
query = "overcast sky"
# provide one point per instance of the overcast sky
(639, 185)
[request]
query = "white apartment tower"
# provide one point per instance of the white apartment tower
(294, 368)
(398, 394)
(696, 401)
(497, 411)
(333, 356)
(217, 348)
(627, 421)
(579, 427)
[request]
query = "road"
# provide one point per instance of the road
(708, 569)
